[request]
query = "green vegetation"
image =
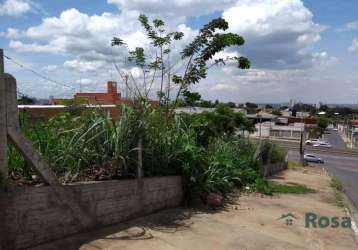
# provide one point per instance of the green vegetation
(271, 187)
(294, 165)
(303, 107)
(26, 100)
(276, 112)
(206, 149)
(272, 153)
(222, 122)
(322, 124)
(337, 186)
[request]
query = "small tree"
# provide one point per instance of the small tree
(322, 124)
(191, 98)
(25, 100)
(251, 105)
(197, 56)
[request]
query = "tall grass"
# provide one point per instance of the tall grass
(78, 143)
(230, 165)
(71, 143)
(272, 153)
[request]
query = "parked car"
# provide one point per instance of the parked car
(312, 158)
(322, 144)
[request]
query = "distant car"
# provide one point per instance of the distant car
(335, 129)
(322, 144)
(314, 141)
(312, 158)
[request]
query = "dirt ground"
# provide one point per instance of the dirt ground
(250, 222)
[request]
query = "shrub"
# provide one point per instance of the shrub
(278, 154)
(231, 164)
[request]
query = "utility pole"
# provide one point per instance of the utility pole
(3, 126)
(260, 117)
(301, 142)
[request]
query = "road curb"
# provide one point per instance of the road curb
(350, 209)
(354, 219)
(352, 212)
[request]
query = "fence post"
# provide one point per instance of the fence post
(12, 113)
(140, 159)
(3, 130)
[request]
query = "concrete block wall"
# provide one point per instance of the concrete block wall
(34, 215)
(272, 169)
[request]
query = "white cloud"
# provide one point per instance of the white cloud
(223, 86)
(277, 33)
(173, 8)
(34, 47)
(83, 66)
(84, 81)
(11, 33)
(50, 68)
(14, 8)
(87, 38)
(280, 38)
(321, 60)
(354, 46)
(76, 33)
(351, 26)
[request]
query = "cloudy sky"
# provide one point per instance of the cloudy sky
(299, 49)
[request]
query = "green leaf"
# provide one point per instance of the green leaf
(116, 41)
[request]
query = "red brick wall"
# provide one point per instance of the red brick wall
(111, 97)
(43, 114)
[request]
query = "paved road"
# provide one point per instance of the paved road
(334, 139)
(344, 168)
(339, 161)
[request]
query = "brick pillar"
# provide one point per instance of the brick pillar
(112, 90)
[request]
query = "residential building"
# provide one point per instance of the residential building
(198, 110)
(271, 129)
(111, 97)
(303, 114)
(286, 113)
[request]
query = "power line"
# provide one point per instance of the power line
(38, 74)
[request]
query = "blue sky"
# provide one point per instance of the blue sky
(304, 50)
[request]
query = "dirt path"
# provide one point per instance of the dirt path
(252, 222)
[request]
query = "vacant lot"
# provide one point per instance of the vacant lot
(250, 222)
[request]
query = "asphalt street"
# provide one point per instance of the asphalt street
(334, 139)
(344, 167)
